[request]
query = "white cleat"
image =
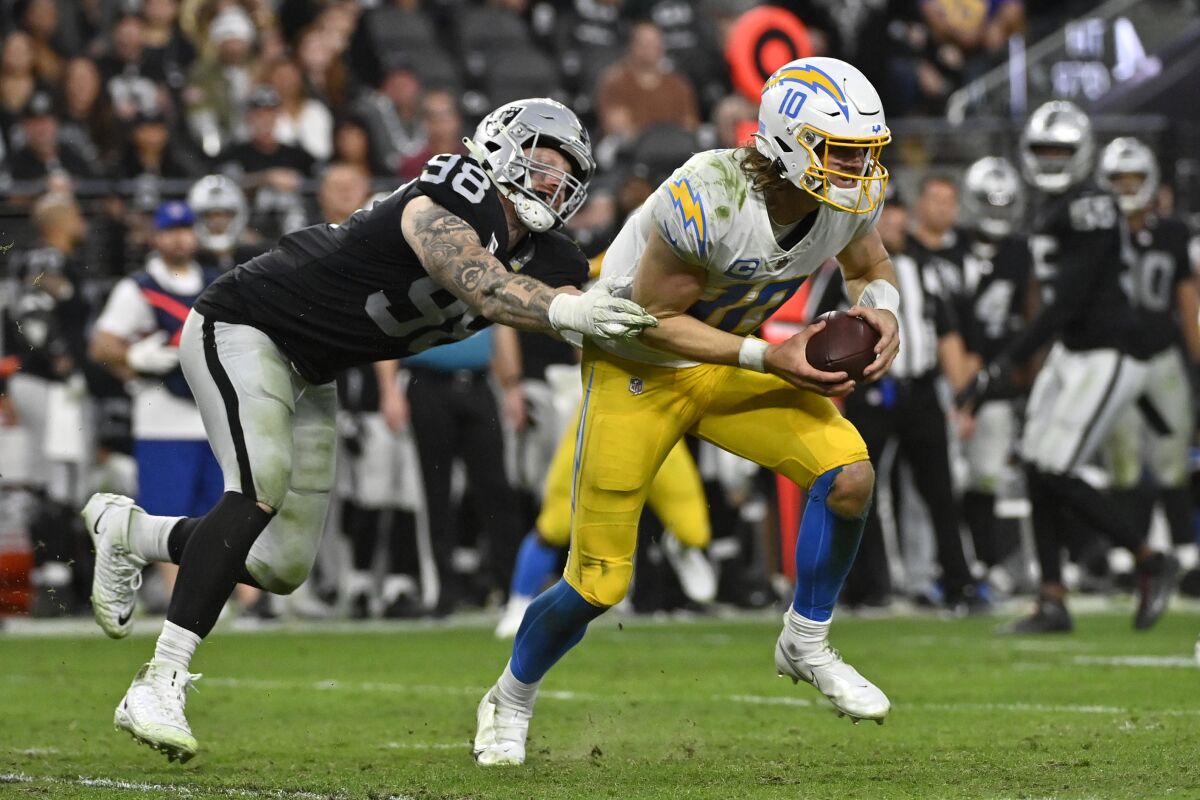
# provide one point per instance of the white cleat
(118, 572)
(152, 710)
(851, 694)
(500, 733)
(696, 575)
(510, 618)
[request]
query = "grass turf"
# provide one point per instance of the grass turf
(646, 709)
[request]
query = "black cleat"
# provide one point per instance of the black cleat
(1157, 579)
(1050, 616)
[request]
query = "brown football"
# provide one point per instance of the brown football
(845, 344)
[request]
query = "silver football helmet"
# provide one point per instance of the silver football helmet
(214, 193)
(1129, 156)
(1061, 125)
(502, 143)
(993, 196)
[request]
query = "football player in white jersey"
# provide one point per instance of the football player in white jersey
(715, 250)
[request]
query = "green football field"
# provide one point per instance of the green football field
(646, 708)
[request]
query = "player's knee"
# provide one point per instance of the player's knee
(850, 496)
(277, 580)
(606, 584)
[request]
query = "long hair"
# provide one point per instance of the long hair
(760, 170)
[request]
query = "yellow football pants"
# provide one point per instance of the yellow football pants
(676, 495)
(634, 414)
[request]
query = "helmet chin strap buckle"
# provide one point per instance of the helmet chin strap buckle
(533, 214)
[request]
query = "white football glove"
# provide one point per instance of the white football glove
(152, 355)
(599, 312)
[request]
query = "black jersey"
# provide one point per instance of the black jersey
(540, 252)
(333, 296)
(1080, 250)
(1161, 263)
(990, 289)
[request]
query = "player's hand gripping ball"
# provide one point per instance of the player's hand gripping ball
(845, 344)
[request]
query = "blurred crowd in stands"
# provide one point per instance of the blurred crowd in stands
(264, 116)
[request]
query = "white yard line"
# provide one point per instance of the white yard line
(1136, 661)
(181, 789)
(748, 699)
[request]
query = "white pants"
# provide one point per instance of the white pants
(1135, 443)
(385, 472)
(988, 449)
(273, 435)
(1075, 400)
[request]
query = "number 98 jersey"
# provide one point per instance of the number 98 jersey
(334, 296)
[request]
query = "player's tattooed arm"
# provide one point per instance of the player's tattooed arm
(452, 254)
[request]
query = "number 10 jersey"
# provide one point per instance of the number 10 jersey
(335, 296)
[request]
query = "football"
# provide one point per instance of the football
(846, 344)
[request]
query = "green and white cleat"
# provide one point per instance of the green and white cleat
(500, 733)
(152, 710)
(118, 573)
(851, 694)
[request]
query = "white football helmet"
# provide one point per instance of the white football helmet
(1057, 124)
(1129, 156)
(812, 104)
(218, 193)
(500, 144)
(993, 196)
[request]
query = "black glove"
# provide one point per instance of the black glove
(994, 380)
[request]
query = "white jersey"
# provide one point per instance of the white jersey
(710, 216)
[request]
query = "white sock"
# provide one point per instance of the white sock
(805, 633)
(513, 692)
(148, 536)
(176, 644)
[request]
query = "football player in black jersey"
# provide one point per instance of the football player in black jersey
(426, 265)
(1157, 432)
(992, 290)
(1080, 249)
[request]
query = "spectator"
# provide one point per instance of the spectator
(734, 121)
(43, 153)
(130, 83)
(352, 145)
(302, 120)
(167, 51)
(150, 150)
(689, 42)
(18, 83)
(40, 21)
(220, 82)
(87, 120)
(262, 158)
(274, 172)
(344, 190)
(393, 116)
(443, 129)
(639, 90)
(324, 72)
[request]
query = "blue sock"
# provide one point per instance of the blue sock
(554, 623)
(535, 561)
(825, 551)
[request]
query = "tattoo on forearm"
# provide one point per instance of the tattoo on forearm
(452, 254)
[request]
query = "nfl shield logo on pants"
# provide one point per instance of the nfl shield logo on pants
(635, 385)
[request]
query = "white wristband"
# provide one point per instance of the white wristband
(753, 354)
(881, 294)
